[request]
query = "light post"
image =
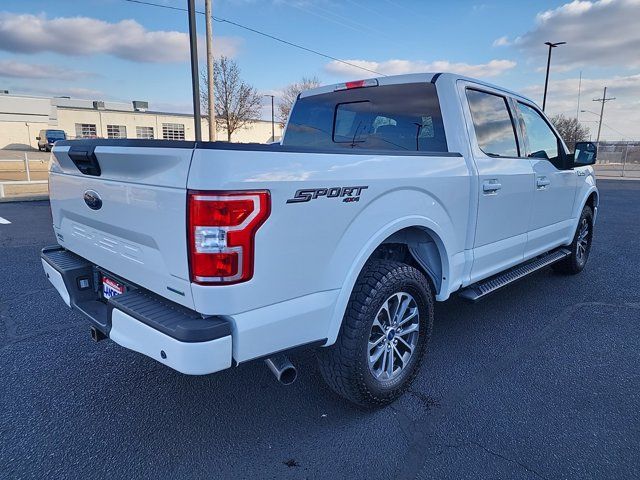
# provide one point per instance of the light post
(210, 78)
(546, 80)
(273, 119)
(195, 87)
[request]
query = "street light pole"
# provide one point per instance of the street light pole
(546, 80)
(273, 120)
(208, 7)
(195, 87)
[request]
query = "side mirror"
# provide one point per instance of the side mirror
(585, 153)
(37, 138)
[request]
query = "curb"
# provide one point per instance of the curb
(26, 198)
(603, 177)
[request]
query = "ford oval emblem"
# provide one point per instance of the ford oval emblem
(93, 200)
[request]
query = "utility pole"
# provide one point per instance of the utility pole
(195, 86)
(602, 100)
(579, 89)
(273, 120)
(208, 7)
(546, 80)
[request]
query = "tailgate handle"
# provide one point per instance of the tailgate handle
(85, 159)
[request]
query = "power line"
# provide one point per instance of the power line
(258, 32)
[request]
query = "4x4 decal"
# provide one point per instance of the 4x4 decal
(348, 194)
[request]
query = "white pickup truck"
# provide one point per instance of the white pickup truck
(384, 196)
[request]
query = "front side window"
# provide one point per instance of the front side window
(116, 131)
(543, 143)
(403, 117)
(492, 123)
(86, 130)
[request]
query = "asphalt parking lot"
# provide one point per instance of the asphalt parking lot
(541, 380)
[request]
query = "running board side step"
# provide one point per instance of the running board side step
(479, 290)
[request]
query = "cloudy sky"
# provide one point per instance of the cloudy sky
(120, 50)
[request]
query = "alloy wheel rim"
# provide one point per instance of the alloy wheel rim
(394, 335)
(583, 240)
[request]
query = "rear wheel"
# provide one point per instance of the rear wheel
(383, 337)
(580, 247)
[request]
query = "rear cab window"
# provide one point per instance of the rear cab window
(403, 117)
(493, 124)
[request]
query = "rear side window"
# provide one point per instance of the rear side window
(492, 123)
(403, 117)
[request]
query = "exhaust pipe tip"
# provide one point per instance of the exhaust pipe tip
(283, 369)
(97, 335)
(288, 375)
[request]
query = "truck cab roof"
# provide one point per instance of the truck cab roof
(432, 77)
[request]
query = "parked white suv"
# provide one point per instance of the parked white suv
(385, 195)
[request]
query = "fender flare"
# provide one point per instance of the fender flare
(356, 267)
(585, 198)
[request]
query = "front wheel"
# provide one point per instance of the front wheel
(383, 337)
(580, 246)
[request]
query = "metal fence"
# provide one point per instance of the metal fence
(618, 159)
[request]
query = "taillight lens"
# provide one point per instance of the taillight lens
(372, 82)
(222, 228)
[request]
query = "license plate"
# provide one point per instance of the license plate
(111, 288)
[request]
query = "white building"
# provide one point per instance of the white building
(22, 118)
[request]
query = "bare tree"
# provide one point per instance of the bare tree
(290, 94)
(570, 129)
(237, 103)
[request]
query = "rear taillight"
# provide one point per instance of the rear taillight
(221, 231)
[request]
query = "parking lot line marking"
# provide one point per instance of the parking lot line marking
(4, 221)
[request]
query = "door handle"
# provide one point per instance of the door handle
(491, 186)
(542, 183)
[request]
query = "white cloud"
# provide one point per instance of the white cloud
(127, 39)
(15, 69)
(397, 67)
(501, 42)
(598, 33)
(621, 115)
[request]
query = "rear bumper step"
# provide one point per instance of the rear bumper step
(479, 290)
(141, 320)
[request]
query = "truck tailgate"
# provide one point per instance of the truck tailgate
(124, 209)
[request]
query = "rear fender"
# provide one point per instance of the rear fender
(384, 222)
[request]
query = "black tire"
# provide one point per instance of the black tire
(575, 262)
(345, 364)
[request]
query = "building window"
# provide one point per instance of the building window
(173, 131)
(86, 130)
(144, 132)
(116, 131)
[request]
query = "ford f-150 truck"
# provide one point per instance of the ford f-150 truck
(384, 196)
